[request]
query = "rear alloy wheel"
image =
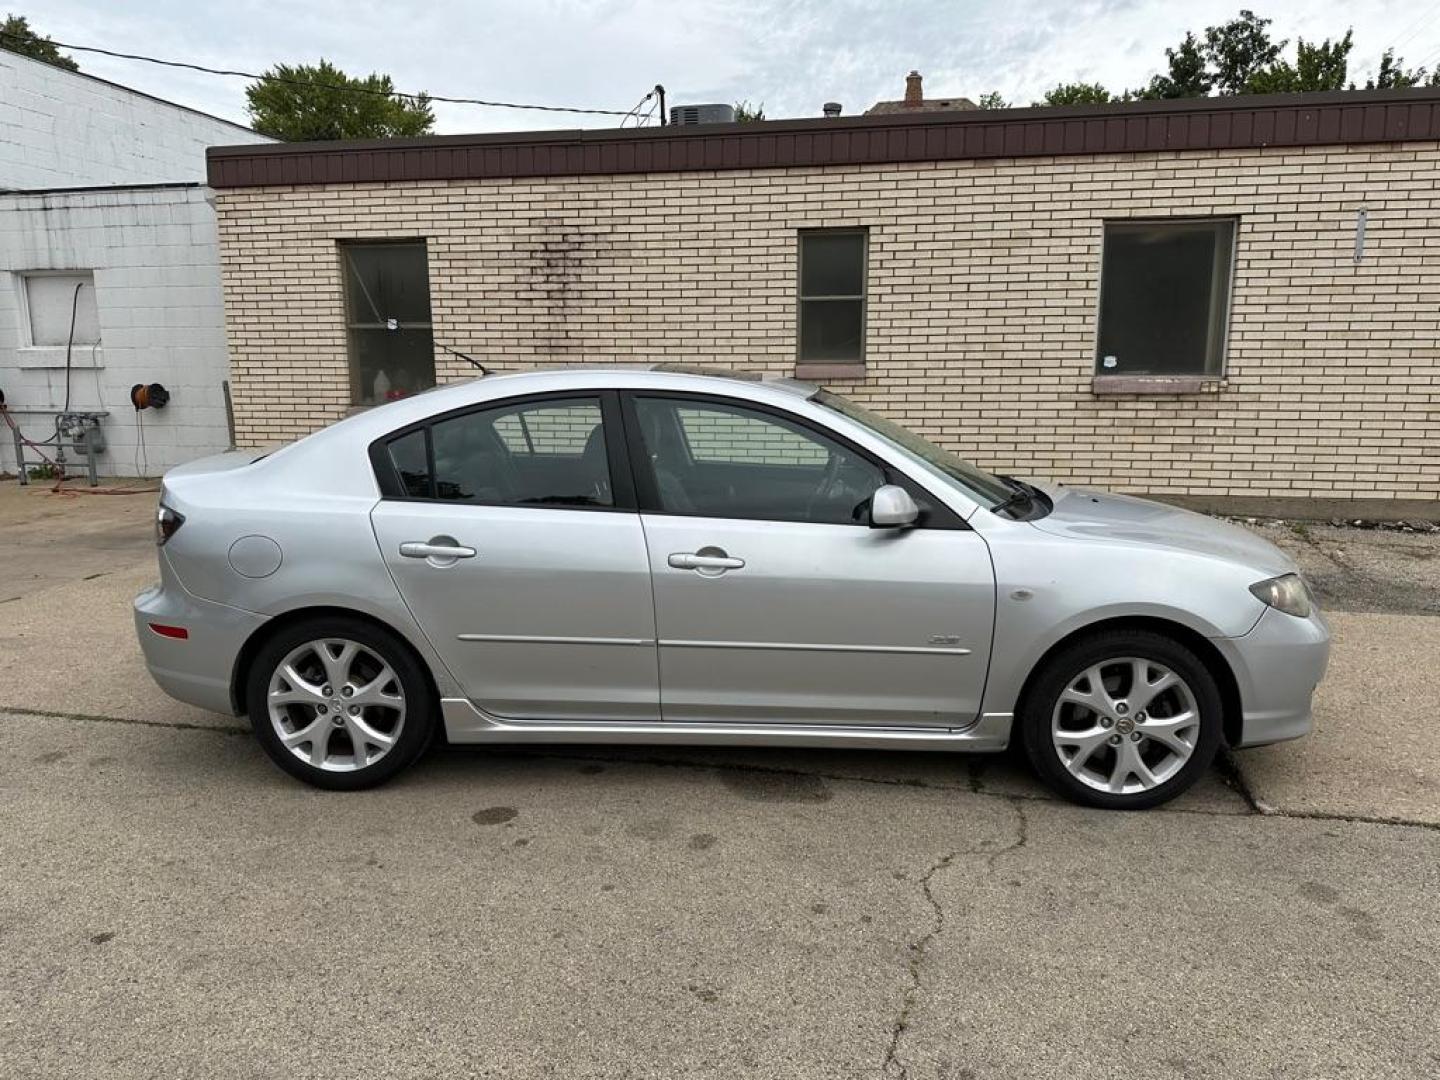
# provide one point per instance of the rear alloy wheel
(1125, 720)
(339, 704)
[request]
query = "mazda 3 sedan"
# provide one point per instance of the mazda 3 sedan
(663, 556)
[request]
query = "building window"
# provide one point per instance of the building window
(387, 313)
(1164, 296)
(832, 296)
(60, 309)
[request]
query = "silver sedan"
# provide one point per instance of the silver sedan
(663, 556)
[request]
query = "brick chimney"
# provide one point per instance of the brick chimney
(914, 95)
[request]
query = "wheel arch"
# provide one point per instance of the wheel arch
(245, 658)
(1232, 715)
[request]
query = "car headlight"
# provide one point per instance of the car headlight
(1287, 593)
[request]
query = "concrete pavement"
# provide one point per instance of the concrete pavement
(170, 903)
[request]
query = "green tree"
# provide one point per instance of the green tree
(17, 37)
(1392, 75)
(1237, 50)
(745, 113)
(311, 102)
(1186, 76)
(1077, 94)
(992, 100)
(1316, 67)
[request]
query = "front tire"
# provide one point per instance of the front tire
(1122, 720)
(340, 703)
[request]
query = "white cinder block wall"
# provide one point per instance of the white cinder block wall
(154, 257)
(145, 230)
(64, 129)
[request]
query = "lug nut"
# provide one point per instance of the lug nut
(1105, 721)
(1139, 717)
(325, 689)
(321, 709)
(1120, 707)
(354, 710)
(347, 692)
(1114, 740)
(1134, 736)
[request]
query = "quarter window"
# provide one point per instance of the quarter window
(832, 296)
(1164, 295)
(548, 453)
(387, 310)
(717, 460)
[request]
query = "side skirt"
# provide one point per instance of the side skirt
(466, 724)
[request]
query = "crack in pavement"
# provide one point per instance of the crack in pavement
(893, 1064)
(972, 784)
(95, 718)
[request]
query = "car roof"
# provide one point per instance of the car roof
(497, 385)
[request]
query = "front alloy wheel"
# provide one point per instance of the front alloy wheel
(1123, 720)
(1125, 725)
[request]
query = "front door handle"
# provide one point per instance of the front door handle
(437, 548)
(711, 559)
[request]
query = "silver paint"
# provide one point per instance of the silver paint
(822, 636)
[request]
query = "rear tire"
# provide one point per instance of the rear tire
(1122, 720)
(340, 703)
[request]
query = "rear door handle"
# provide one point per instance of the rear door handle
(415, 549)
(687, 560)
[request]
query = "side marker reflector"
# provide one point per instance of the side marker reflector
(178, 632)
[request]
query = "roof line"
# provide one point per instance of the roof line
(101, 189)
(138, 93)
(1198, 124)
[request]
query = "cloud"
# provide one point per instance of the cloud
(608, 53)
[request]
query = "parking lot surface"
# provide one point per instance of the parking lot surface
(171, 904)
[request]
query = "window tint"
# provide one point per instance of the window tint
(387, 305)
(1164, 290)
(549, 453)
(832, 296)
(728, 461)
(408, 456)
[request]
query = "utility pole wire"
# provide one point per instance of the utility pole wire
(17, 38)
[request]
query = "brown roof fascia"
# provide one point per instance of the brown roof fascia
(1200, 124)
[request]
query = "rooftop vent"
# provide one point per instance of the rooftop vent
(702, 114)
(831, 108)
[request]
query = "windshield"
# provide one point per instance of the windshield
(976, 483)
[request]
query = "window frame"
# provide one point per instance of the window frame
(342, 245)
(22, 303)
(934, 514)
(1219, 320)
(858, 362)
(622, 485)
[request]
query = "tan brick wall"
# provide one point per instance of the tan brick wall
(982, 302)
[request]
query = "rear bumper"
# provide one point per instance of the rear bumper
(1277, 665)
(198, 669)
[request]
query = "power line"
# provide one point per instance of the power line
(320, 85)
(633, 114)
(1425, 20)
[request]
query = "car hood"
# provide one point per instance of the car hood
(1086, 514)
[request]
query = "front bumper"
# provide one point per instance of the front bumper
(1277, 665)
(199, 668)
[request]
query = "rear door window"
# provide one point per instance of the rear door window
(539, 453)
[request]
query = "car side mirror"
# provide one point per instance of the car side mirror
(892, 507)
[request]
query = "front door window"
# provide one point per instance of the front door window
(717, 460)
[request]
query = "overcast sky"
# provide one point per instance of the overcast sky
(792, 56)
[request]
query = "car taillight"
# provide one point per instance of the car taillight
(167, 523)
